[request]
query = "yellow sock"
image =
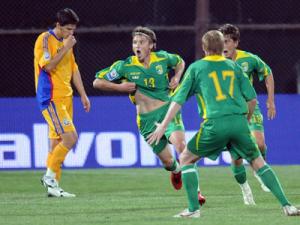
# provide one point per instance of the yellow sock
(49, 157)
(58, 175)
(58, 156)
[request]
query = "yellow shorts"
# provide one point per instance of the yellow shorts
(59, 116)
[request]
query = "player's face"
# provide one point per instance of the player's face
(141, 46)
(67, 30)
(229, 47)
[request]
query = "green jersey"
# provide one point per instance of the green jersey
(153, 81)
(252, 65)
(220, 85)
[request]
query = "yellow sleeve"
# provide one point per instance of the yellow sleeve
(74, 64)
(42, 51)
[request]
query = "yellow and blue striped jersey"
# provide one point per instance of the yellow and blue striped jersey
(57, 83)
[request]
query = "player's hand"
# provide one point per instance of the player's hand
(86, 103)
(127, 87)
(271, 109)
(174, 83)
(69, 42)
(155, 136)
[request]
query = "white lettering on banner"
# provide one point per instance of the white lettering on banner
(77, 157)
(128, 149)
(15, 150)
(41, 144)
(19, 150)
(148, 158)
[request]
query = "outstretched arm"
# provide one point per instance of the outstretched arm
(251, 107)
(105, 85)
(269, 81)
(161, 127)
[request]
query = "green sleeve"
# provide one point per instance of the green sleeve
(246, 88)
(112, 73)
(173, 59)
(262, 69)
(185, 89)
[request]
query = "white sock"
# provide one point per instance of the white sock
(50, 173)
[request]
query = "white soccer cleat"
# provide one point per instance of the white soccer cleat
(187, 214)
(290, 210)
(49, 182)
(247, 194)
(262, 185)
(58, 192)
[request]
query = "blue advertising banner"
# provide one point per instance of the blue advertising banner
(108, 135)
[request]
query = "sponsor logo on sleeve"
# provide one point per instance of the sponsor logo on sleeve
(112, 75)
(46, 56)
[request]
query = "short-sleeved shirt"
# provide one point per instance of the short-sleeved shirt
(57, 83)
(153, 81)
(220, 85)
(252, 65)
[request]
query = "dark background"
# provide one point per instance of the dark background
(270, 29)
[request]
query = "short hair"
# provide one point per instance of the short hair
(230, 30)
(213, 42)
(147, 32)
(67, 16)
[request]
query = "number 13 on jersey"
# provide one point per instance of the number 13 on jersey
(225, 74)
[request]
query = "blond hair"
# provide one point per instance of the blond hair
(213, 42)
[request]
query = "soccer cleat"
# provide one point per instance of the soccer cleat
(187, 214)
(290, 210)
(247, 194)
(262, 185)
(49, 182)
(201, 198)
(176, 180)
(58, 192)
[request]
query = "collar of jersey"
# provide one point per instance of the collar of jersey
(241, 54)
(52, 32)
(153, 58)
(214, 58)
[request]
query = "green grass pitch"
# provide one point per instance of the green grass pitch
(140, 197)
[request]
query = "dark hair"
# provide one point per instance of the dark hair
(67, 16)
(147, 32)
(231, 30)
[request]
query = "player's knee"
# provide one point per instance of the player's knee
(179, 146)
(237, 162)
(261, 146)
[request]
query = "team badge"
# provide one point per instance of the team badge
(159, 69)
(245, 66)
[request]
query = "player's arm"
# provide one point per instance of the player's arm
(69, 42)
(180, 95)
(269, 81)
(247, 91)
(105, 80)
(77, 81)
(177, 76)
(105, 85)
(264, 72)
(161, 127)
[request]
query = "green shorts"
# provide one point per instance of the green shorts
(146, 124)
(257, 119)
(215, 134)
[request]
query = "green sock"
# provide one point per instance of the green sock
(239, 173)
(271, 181)
(190, 183)
(197, 172)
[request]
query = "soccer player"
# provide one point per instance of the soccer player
(149, 86)
(227, 102)
(252, 65)
(55, 68)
